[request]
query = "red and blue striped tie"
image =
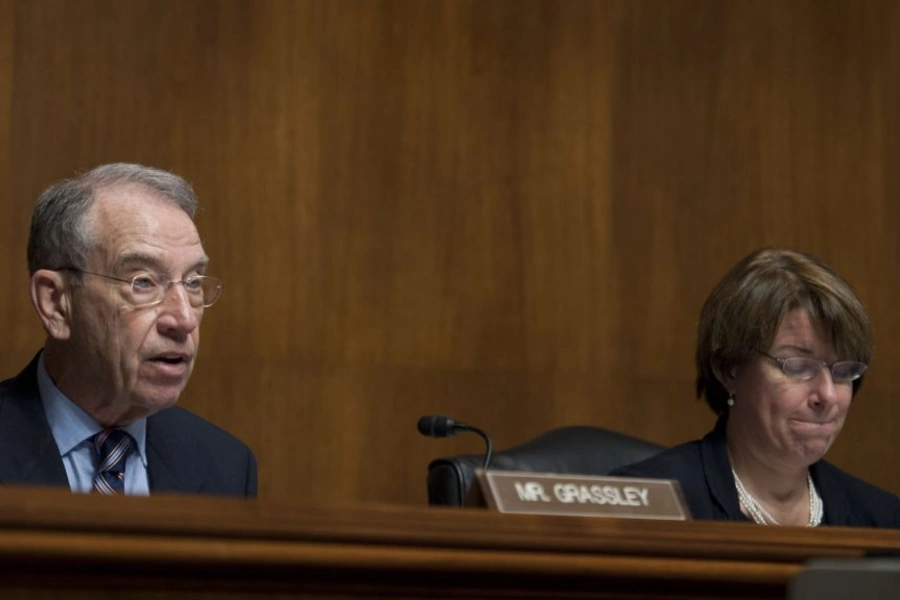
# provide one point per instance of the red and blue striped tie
(112, 446)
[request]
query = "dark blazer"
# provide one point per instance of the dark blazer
(185, 453)
(704, 472)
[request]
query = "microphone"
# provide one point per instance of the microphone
(437, 426)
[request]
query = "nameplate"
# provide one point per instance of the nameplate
(522, 492)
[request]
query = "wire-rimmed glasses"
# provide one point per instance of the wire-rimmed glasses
(149, 289)
(804, 368)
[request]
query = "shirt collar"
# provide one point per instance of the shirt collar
(71, 425)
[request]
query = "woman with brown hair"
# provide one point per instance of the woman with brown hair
(782, 347)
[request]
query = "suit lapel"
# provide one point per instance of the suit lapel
(838, 510)
(168, 458)
(29, 453)
(717, 469)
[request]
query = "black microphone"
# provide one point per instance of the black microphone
(437, 426)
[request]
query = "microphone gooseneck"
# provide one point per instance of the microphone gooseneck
(438, 427)
(489, 447)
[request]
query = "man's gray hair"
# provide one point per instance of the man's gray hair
(60, 236)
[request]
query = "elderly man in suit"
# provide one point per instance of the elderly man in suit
(118, 279)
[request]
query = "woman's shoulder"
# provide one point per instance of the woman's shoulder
(673, 463)
(700, 467)
(863, 504)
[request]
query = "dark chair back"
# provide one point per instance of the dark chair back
(575, 450)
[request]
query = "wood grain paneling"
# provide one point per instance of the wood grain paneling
(223, 549)
(507, 211)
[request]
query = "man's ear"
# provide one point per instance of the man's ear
(50, 294)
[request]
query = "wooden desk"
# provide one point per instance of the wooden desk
(166, 547)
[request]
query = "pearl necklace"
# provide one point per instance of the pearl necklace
(761, 516)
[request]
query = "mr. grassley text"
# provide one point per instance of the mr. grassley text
(568, 493)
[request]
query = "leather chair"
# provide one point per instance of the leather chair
(576, 449)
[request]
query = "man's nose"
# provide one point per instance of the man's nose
(177, 311)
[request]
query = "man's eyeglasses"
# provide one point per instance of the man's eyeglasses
(803, 368)
(148, 289)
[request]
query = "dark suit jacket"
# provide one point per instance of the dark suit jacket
(704, 472)
(185, 453)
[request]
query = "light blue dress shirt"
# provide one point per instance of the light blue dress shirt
(73, 428)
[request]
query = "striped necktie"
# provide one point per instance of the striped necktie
(112, 447)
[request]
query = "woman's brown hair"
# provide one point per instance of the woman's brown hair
(744, 311)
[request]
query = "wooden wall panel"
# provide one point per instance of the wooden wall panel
(507, 211)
